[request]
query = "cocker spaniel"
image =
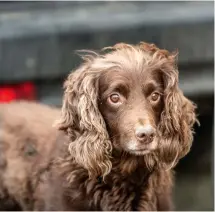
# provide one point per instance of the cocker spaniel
(127, 124)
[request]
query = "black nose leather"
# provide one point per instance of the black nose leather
(145, 133)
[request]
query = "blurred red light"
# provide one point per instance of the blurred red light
(28, 90)
(22, 91)
(7, 94)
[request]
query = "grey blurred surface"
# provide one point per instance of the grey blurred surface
(41, 42)
(38, 42)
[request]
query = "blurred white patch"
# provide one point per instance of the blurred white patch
(132, 145)
(144, 129)
(137, 148)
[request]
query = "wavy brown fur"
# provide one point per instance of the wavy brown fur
(95, 170)
(129, 182)
(26, 140)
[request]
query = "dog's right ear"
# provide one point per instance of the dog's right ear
(72, 93)
(83, 122)
(80, 111)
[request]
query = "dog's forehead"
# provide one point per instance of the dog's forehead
(130, 67)
(134, 61)
(130, 75)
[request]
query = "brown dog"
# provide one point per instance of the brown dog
(127, 125)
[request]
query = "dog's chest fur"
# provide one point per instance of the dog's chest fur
(116, 193)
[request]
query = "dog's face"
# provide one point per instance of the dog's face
(131, 103)
(127, 99)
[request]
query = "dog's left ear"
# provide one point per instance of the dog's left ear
(188, 119)
(177, 120)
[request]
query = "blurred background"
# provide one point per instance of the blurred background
(37, 44)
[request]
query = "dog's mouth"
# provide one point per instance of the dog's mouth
(136, 148)
(140, 151)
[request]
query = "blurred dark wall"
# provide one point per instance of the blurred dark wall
(38, 40)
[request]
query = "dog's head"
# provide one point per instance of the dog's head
(127, 99)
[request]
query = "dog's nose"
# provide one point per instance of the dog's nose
(145, 133)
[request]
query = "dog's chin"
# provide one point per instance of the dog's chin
(135, 148)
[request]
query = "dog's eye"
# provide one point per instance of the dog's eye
(114, 98)
(155, 96)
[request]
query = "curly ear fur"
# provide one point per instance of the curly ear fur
(177, 120)
(82, 121)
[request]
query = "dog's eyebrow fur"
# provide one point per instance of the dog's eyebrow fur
(152, 85)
